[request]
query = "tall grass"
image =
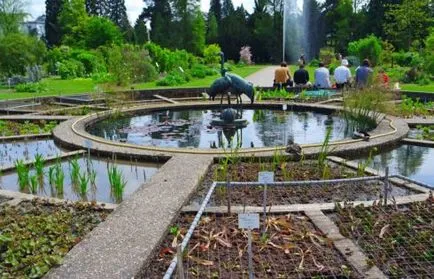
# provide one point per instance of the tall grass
(75, 171)
(33, 187)
(23, 174)
(58, 177)
(83, 183)
(361, 166)
(39, 165)
(363, 108)
(324, 153)
(117, 182)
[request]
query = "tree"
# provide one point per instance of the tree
(11, 16)
(98, 7)
(118, 15)
(18, 51)
(159, 13)
(408, 22)
(212, 30)
(99, 31)
(215, 8)
(234, 32)
(140, 32)
(73, 12)
(376, 16)
(53, 34)
(197, 44)
(338, 19)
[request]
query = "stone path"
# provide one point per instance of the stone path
(263, 78)
(118, 247)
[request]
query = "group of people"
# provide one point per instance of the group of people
(342, 76)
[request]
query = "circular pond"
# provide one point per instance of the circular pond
(195, 128)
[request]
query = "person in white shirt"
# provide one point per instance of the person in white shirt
(343, 75)
(322, 77)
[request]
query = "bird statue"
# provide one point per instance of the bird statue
(232, 84)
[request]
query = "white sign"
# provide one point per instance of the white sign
(248, 221)
(284, 107)
(88, 143)
(266, 177)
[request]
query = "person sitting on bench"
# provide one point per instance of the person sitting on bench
(301, 78)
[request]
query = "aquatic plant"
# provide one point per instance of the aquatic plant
(324, 153)
(33, 186)
(278, 159)
(92, 177)
(39, 165)
(75, 171)
(362, 109)
(23, 174)
(51, 172)
(59, 178)
(83, 183)
(117, 182)
(361, 166)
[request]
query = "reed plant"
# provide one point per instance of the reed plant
(83, 183)
(361, 166)
(33, 186)
(324, 153)
(117, 182)
(23, 174)
(362, 109)
(39, 165)
(58, 177)
(75, 171)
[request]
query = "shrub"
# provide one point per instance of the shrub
(212, 54)
(429, 54)
(246, 55)
(70, 69)
(369, 47)
(173, 78)
(314, 63)
(353, 60)
(407, 59)
(31, 87)
(102, 78)
(168, 60)
(201, 71)
(327, 55)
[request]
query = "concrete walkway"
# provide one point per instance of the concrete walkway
(120, 246)
(263, 78)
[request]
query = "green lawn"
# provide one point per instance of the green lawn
(418, 88)
(57, 87)
(243, 72)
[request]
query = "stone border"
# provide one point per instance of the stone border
(428, 143)
(73, 134)
(25, 137)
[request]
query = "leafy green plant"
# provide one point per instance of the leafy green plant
(31, 87)
(58, 177)
(23, 174)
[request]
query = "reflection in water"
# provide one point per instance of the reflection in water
(409, 160)
(191, 128)
(26, 150)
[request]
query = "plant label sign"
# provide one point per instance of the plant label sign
(284, 107)
(266, 177)
(248, 221)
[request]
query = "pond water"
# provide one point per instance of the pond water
(26, 150)
(135, 174)
(416, 162)
(192, 129)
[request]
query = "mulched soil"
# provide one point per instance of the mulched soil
(398, 239)
(253, 196)
(291, 248)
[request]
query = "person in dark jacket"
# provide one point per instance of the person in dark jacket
(301, 77)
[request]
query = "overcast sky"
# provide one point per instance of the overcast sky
(134, 7)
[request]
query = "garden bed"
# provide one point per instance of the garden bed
(422, 133)
(398, 239)
(35, 235)
(14, 128)
(281, 195)
(291, 248)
